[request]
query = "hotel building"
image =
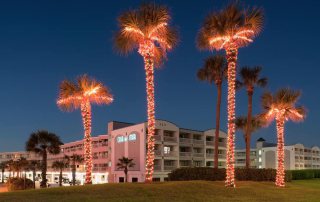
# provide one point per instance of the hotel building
(175, 147)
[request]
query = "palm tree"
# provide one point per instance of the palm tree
(125, 163)
(80, 95)
(43, 142)
(33, 165)
(242, 124)
(281, 106)
(230, 29)
(3, 167)
(250, 79)
(214, 70)
(147, 29)
(73, 159)
(60, 165)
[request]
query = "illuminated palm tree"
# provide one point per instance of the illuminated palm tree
(281, 106)
(214, 70)
(250, 79)
(80, 95)
(147, 29)
(43, 142)
(230, 29)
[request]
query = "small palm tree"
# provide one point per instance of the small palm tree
(60, 165)
(242, 124)
(281, 106)
(250, 79)
(147, 29)
(3, 167)
(214, 70)
(73, 160)
(230, 29)
(81, 95)
(43, 142)
(33, 165)
(125, 163)
(20, 165)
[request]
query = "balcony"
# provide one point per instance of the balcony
(158, 152)
(157, 138)
(169, 139)
(210, 143)
(169, 168)
(209, 155)
(222, 144)
(200, 142)
(198, 155)
(171, 154)
(157, 167)
(185, 154)
(222, 156)
(185, 140)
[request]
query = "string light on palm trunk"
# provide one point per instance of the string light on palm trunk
(146, 50)
(280, 178)
(232, 53)
(86, 118)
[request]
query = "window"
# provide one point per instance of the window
(134, 179)
(121, 179)
(260, 152)
(260, 159)
(156, 179)
(166, 150)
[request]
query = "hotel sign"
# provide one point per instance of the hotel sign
(122, 138)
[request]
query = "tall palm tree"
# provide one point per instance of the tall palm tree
(73, 160)
(281, 106)
(230, 29)
(60, 165)
(250, 79)
(43, 142)
(81, 95)
(125, 163)
(33, 165)
(214, 70)
(147, 29)
(3, 167)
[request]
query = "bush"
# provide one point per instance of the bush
(18, 184)
(305, 174)
(211, 174)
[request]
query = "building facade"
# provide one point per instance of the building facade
(175, 147)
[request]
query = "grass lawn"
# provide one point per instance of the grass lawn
(174, 191)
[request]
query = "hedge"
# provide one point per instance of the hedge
(19, 184)
(305, 174)
(211, 174)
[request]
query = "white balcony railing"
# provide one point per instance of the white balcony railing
(185, 154)
(169, 139)
(185, 140)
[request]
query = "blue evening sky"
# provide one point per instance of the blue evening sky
(44, 42)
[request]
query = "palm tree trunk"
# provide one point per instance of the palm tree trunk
(232, 53)
(248, 130)
(60, 178)
(2, 180)
(280, 152)
(86, 117)
(34, 178)
(73, 172)
(126, 174)
(216, 140)
(44, 170)
(146, 50)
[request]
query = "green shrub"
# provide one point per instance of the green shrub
(211, 174)
(19, 184)
(305, 174)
